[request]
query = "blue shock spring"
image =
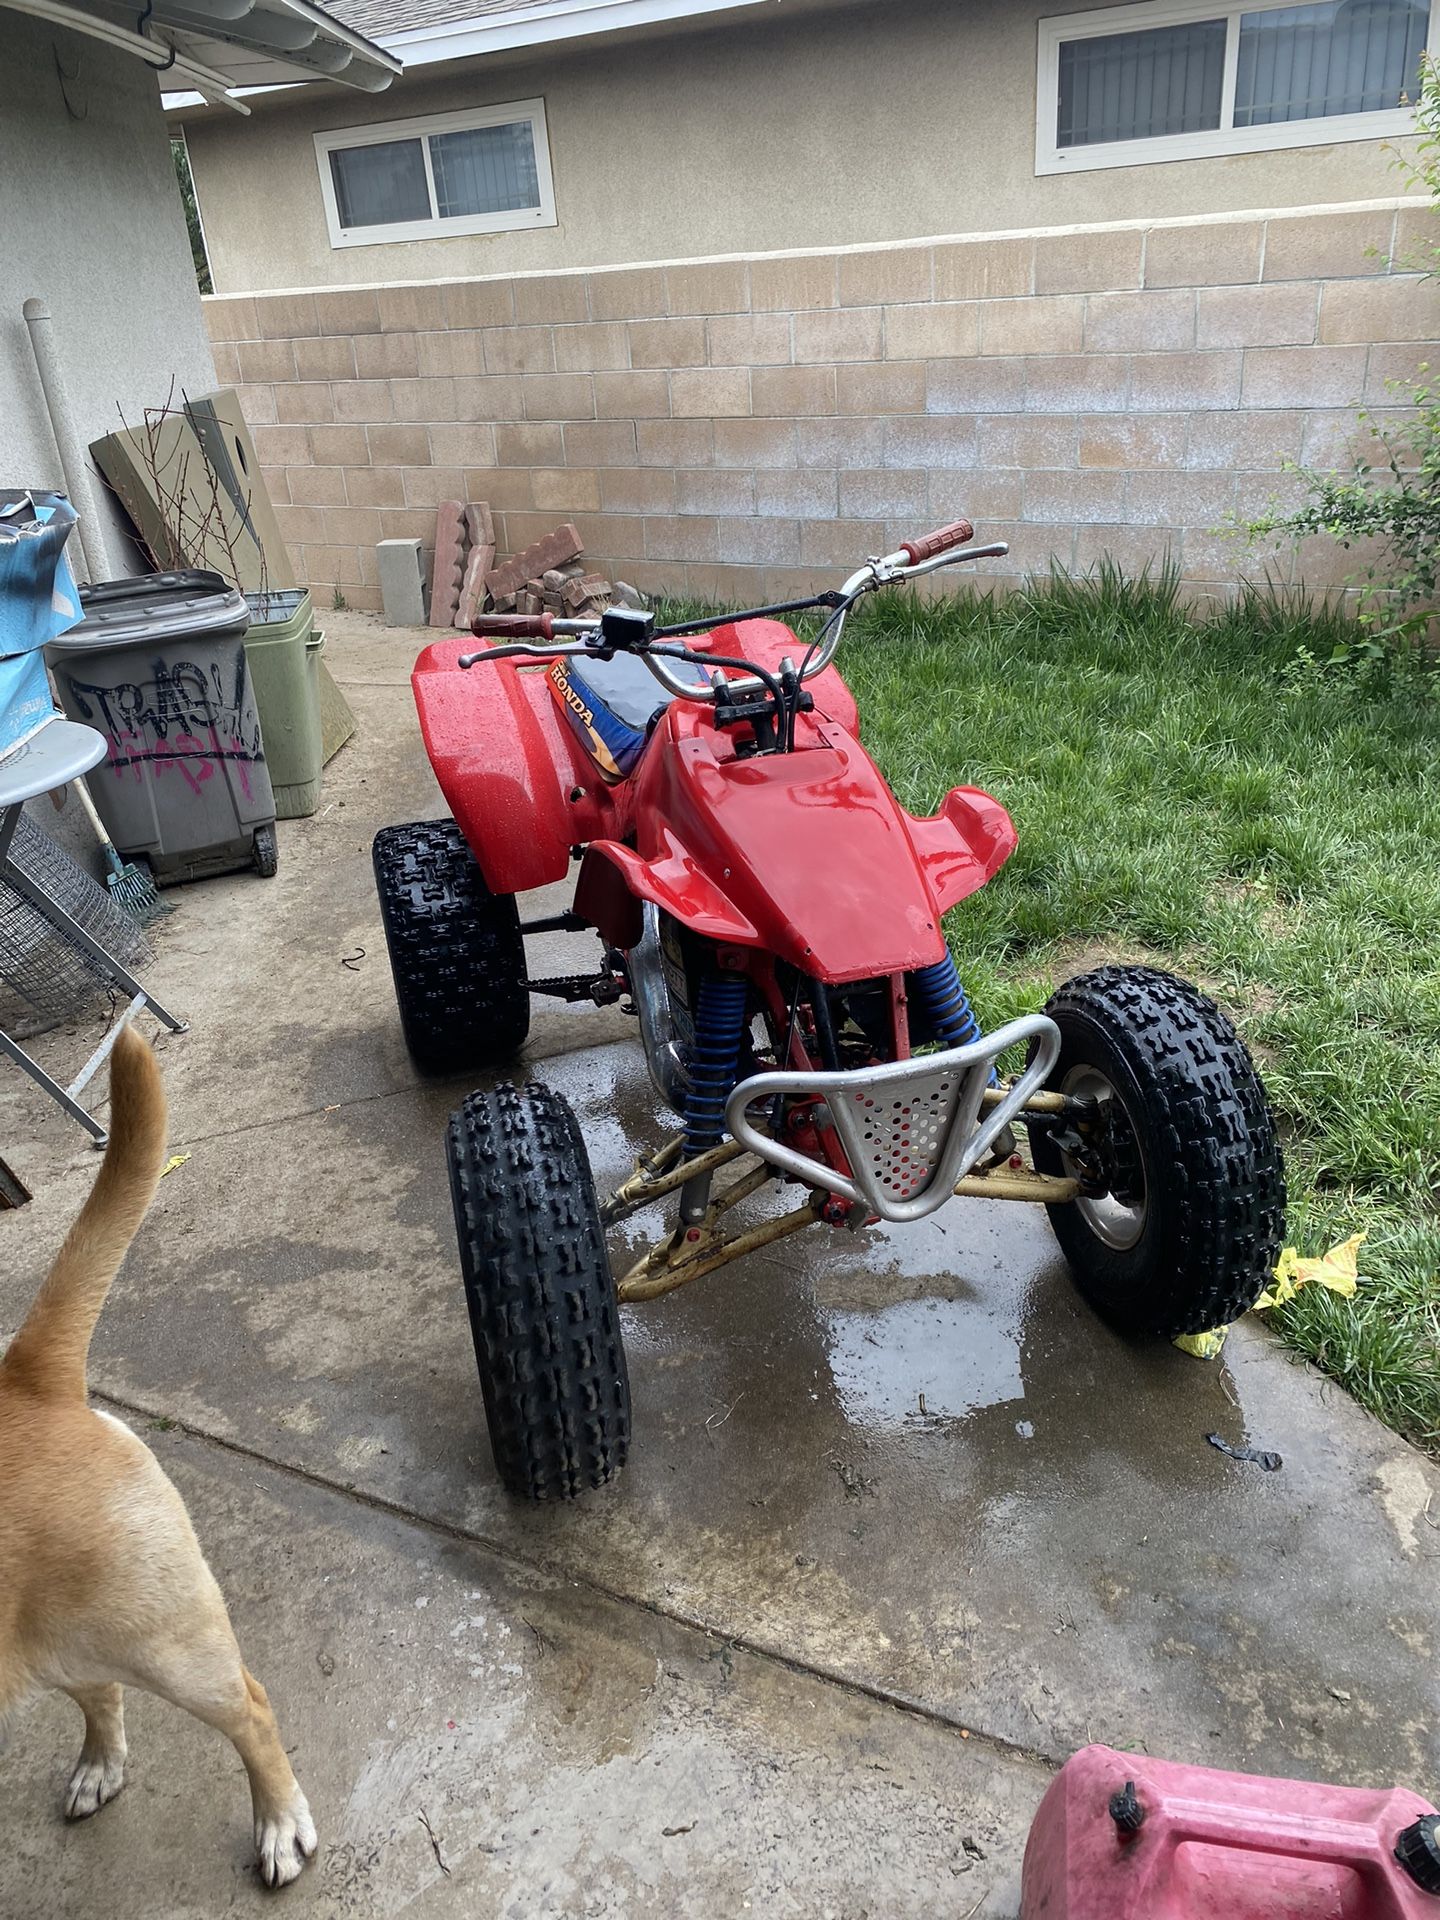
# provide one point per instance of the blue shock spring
(940, 993)
(714, 1059)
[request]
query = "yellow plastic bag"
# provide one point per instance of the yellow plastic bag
(1204, 1346)
(1338, 1270)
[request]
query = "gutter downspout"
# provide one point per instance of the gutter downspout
(67, 439)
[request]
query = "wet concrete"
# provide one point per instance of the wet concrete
(907, 1468)
(478, 1740)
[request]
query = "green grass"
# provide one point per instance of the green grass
(1185, 794)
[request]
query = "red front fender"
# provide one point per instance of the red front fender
(964, 845)
(807, 855)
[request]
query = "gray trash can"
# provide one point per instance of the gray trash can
(158, 667)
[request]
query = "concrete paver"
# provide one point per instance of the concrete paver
(1044, 1551)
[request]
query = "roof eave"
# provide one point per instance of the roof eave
(558, 20)
(373, 52)
(227, 49)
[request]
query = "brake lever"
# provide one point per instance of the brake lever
(618, 630)
(996, 550)
(545, 650)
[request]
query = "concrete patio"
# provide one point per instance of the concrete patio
(904, 1525)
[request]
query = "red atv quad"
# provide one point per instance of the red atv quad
(773, 915)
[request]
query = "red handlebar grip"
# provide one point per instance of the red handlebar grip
(515, 626)
(958, 534)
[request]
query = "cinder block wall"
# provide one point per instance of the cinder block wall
(744, 428)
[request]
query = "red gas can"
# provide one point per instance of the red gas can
(1120, 1836)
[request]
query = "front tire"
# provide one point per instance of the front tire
(543, 1312)
(457, 955)
(1187, 1232)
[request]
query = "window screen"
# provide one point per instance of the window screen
(1136, 86)
(484, 170)
(1306, 63)
(381, 184)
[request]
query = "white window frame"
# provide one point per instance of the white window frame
(1208, 143)
(510, 220)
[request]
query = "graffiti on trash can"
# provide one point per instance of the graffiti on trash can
(186, 719)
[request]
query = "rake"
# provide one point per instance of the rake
(131, 888)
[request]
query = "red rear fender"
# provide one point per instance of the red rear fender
(767, 643)
(517, 780)
(505, 762)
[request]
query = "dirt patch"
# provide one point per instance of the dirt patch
(1086, 955)
(1276, 919)
(1244, 1002)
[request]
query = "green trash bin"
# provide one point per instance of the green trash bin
(283, 650)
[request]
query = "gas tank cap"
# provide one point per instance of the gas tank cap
(1126, 1810)
(1418, 1851)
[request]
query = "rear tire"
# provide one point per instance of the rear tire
(266, 850)
(456, 952)
(543, 1312)
(1188, 1235)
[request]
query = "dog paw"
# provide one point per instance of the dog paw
(92, 1784)
(284, 1842)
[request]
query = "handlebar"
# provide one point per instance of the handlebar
(520, 629)
(930, 545)
(945, 547)
(517, 626)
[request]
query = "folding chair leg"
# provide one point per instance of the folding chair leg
(56, 1092)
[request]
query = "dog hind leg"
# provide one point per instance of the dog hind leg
(100, 1771)
(284, 1832)
(206, 1676)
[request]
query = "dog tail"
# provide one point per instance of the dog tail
(48, 1355)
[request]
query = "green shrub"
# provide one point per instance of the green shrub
(1390, 495)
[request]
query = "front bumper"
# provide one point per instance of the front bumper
(909, 1130)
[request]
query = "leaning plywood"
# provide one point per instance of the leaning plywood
(337, 720)
(189, 480)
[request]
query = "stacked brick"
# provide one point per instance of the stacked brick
(464, 553)
(550, 576)
(740, 430)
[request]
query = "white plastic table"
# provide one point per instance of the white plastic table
(61, 751)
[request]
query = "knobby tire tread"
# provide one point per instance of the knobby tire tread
(1213, 1162)
(541, 1296)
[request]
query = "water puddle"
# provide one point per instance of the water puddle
(942, 1353)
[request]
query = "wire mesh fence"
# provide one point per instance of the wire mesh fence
(44, 976)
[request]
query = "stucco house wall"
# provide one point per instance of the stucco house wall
(93, 225)
(855, 124)
(741, 429)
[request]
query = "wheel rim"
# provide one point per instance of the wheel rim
(1118, 1217)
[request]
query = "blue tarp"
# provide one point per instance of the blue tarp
(38, 600)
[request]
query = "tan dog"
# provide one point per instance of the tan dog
(102, 1581)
